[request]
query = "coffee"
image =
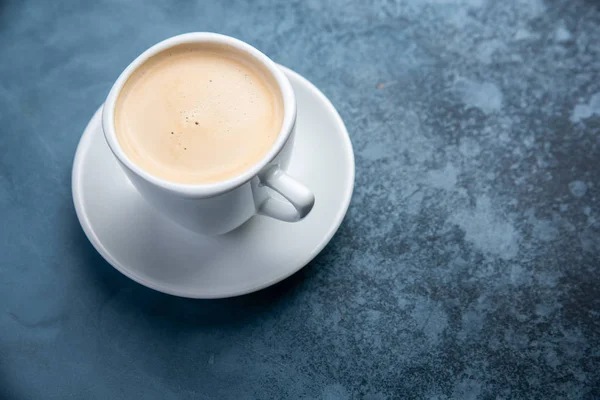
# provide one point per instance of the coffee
(197, 114)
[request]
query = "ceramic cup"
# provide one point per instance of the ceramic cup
(220, 207)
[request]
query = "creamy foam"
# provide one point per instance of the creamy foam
(198, 114)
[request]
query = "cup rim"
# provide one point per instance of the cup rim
(204, 189)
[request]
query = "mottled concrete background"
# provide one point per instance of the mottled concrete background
(467, 267)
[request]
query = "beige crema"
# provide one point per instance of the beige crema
(198, 114)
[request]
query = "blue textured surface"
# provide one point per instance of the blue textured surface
(468, 264)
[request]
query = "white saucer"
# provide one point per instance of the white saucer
(158, 253)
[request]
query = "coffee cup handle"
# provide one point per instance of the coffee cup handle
(300, 200)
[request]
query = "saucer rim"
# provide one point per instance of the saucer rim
(169, 289)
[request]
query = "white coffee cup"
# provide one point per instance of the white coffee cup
(220, 207)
